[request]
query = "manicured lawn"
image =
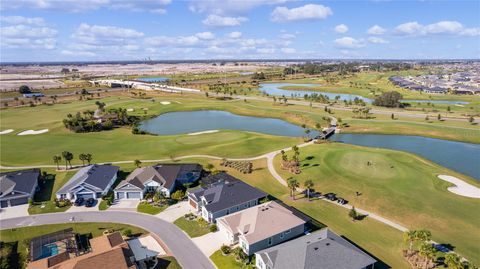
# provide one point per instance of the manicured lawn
(227, 262)
(168, 262)
(44, 198)
(150, 209)
(103, 205)
(191, 227)
(399, 186)
(24, 234)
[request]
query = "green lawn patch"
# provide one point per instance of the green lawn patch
(228, 262)
(43, 201)
(103, 205)
(194, 228)
(168, 262)
(150, 209)
(22, 236)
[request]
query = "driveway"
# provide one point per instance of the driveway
(124, 204)
(174, 212)
(14, 211)
(83, 208)
(210, 242)
(181, 246)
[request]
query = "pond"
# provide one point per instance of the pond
(152, 79)
(275, 89)
(207, 120)
(458, 156)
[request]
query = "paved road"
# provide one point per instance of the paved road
(182, 247)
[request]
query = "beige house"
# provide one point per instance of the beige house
(261, 227)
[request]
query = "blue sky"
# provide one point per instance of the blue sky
(89, 30)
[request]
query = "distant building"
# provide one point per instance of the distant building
(17, 187)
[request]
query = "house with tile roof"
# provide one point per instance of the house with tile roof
(91, 181)
(17, 187)
(162, 178)
(226, 195)
(321, 249)
(261, 226)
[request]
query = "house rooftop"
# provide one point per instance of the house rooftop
(95, 175)
(20, 181)
(321, 249)
(227, 193)
(261, 221)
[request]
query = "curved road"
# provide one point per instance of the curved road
(181, 246)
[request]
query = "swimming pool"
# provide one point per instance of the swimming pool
(49, 250)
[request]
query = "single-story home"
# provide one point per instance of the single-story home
(226, 196)
(321, 249)
(91, 181)
(162, 178)
(261, 226)
(17, 187)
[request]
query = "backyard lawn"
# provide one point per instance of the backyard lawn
(193, 228)
(24, 234)
(150, 209)
(396, 185)
(44, 198)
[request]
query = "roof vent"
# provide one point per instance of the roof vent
(328, 244)
(315, 248)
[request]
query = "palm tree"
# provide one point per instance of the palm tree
(68, 157)
(284, 156)
(423, 236)
(137, 163)
(209, 167)
(308, 185)
(88, 158)
(293, 185)
(82, 158)
(428, 251)
(453, 261)
(56, 160)
(409, 237)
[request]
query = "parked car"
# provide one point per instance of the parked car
(79, 201)
(90, 202)
(331, 196)
(342, 201)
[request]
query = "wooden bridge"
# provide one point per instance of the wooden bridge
(326, 133)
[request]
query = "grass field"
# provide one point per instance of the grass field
(44, 198)
(150, 209)
(228, 262)
(191, 227)
(399, 186)
(24, 234)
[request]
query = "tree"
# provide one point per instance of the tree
(392, 116)
(439, 117)
(308, 185)
(453, 261)
(137, 163)
(293, 185)
(409, 237)
(56, 160)
(100, 105)
(82, 158)
(353, 214)
(423, 235)
(284, 156)
(209, 167)
(178, 195)
(471, 119)
(428, 251)
(389, 99)
(427, 118)
(24, 89)
(68, 157)
(88, 158)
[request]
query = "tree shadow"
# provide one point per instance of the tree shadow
(379, 264)
(162, 263)
(45, 191)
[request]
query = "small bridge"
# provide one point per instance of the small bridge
(326, 133)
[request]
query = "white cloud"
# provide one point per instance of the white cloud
(376, 30)
(205, 35)
(349, 43)
(235, 35)
(224, 7)
(22, 20)
(306, 12)
(266, 50)
(159, 11)
(176, 41)
(219, 21)
(27, 36)
(288, 50)
(27, 31)
(377, 40)
(104, 35)
(438, 28)
(341, 28)
(287, 36)
(77, 53)
(84, 5)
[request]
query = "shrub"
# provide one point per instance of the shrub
(226, 250)
(213, 228)
(178, 195)
(127, 233)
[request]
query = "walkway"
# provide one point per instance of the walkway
(181, 246)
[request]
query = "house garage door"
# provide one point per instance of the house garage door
(133, 195)
(120, 195)
(19, 201)
(4, 204)
(85, 195)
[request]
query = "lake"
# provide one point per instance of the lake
(458, 156)
(204, 120)
(275, 89)
(152, 79)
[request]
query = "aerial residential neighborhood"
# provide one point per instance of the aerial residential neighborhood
(229, 134)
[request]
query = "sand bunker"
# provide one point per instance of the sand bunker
(6, 131)
(165, 103)
(130, 109)
(461, 187)
(204, 132)
(32, 132)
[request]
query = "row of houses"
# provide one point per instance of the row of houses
(432, 84)
(132, 84)
(274, 233)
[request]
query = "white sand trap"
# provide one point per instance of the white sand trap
(130, 109)
(6, 131)
(459, 105)
(165, 103)
(461, 187)
(204, 132)
(32, 132)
